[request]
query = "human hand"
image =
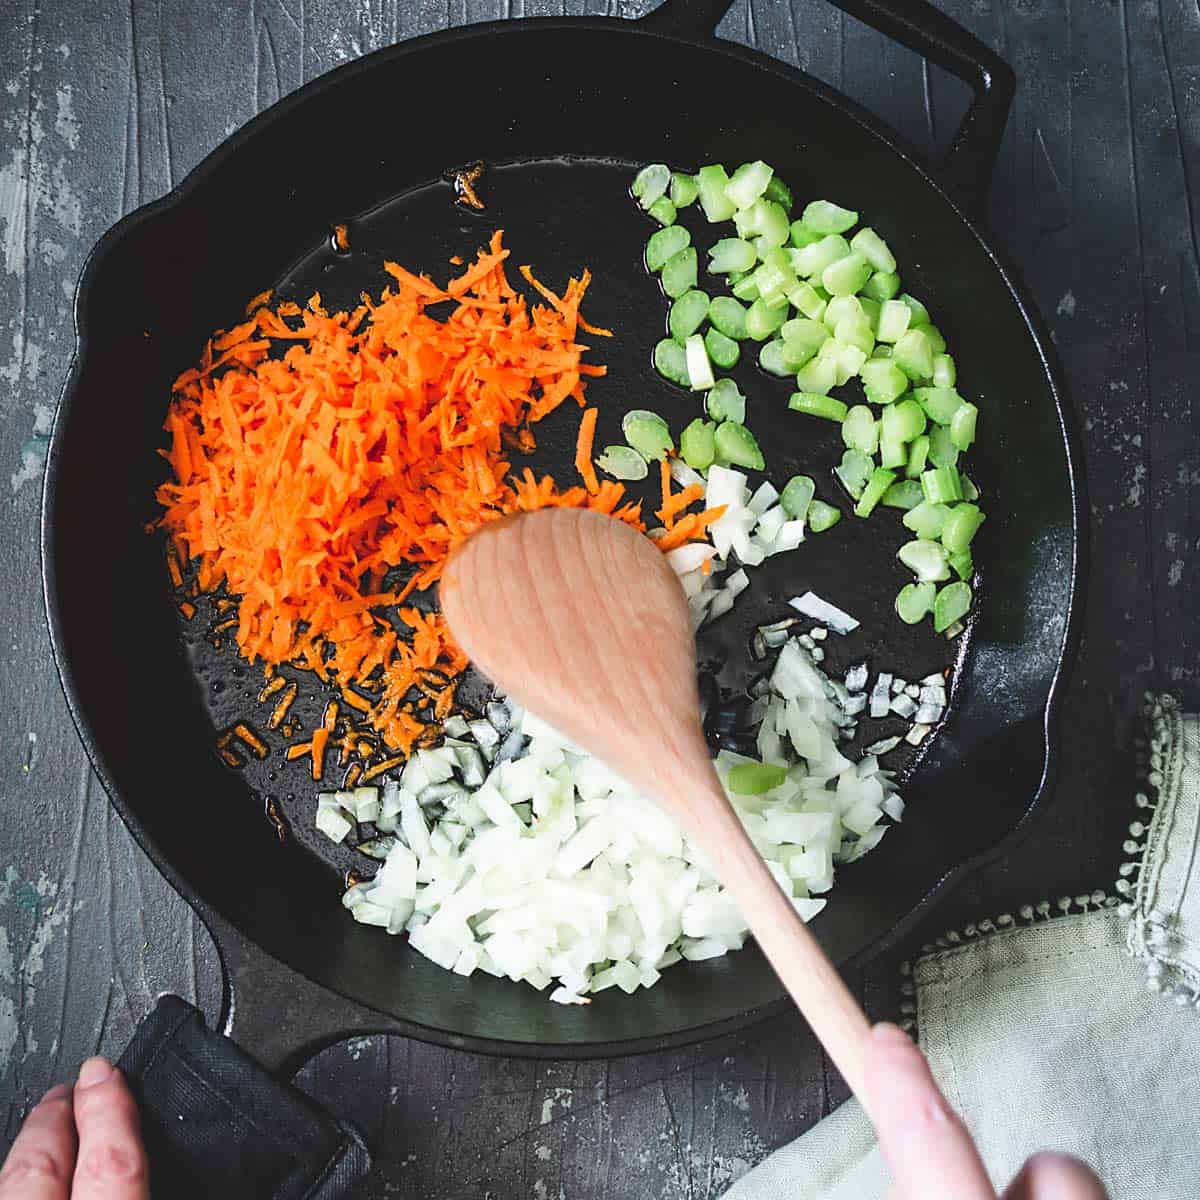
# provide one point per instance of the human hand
(80, 1144)
(927, 1147)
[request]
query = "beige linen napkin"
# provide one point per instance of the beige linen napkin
(1041, 1030)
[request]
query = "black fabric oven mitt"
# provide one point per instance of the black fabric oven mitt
(218, 1126)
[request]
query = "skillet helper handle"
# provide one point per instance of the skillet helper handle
(217, 1124)
(927, 31)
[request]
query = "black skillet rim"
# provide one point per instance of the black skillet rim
(178, 196)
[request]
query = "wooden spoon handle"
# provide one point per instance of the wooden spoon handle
(833, 1013)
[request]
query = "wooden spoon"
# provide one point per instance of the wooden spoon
(580, 618)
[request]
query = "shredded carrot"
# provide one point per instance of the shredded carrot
(369, 441)
(245, 734)
(583, 450)
(320, 739)
(664, 475)
(689, 528)
(380, 768)
(279, 715)
(674, 505)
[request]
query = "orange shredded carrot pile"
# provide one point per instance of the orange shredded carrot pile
(377, 441)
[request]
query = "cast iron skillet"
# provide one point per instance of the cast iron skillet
(562, 112)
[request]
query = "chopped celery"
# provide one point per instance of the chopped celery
(962, 426)
(804, 297)
(664, 245)
(735, 444)
(623, 462)
(670, 361)
(796, 351)
(893, 454)
(764, 318)
(918, 455)
(679, 272)
(952, 604)
(771, 358)
(845, 276)
(870, 310)
(815, 258)
(914, 601)
(768, 222)
(773, 278)
(883, 350)
(746, 289)
(728, 316)
(817, 404)
(927, 560)
(749, 182)
(801, 235)
(961, 527)
(920, 314)
(883, 285)
(650, 183)
(970, 491)
(698, 445)
(822, 516)
(879, 483)
(906, 494)
(700, 373)
(731, 254)
(817, 377)
(854, 471)
(743, 222)
(687, 314)
(796, 496)
(752, 779)
(663, 211)
(855, 331)
(903, 421)
(941, 485)
(883, 381)
(725, 402)
(779, 193)
(944, 372)
(942, 451)
(647, 433)
(826, 217)
(684, 189)
(860, 429)
(914, 355)
(939, 404)
(841, 307)
(926, 520)
(936, 342)
(849, 360)
(893, 320)
(962, 564)
(712, 182)
(805, 331)
(724, 351)
(874, 249)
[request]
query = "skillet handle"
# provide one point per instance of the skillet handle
(927, 31)
(275, 1014)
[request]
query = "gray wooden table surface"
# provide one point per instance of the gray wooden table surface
(106, 105)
